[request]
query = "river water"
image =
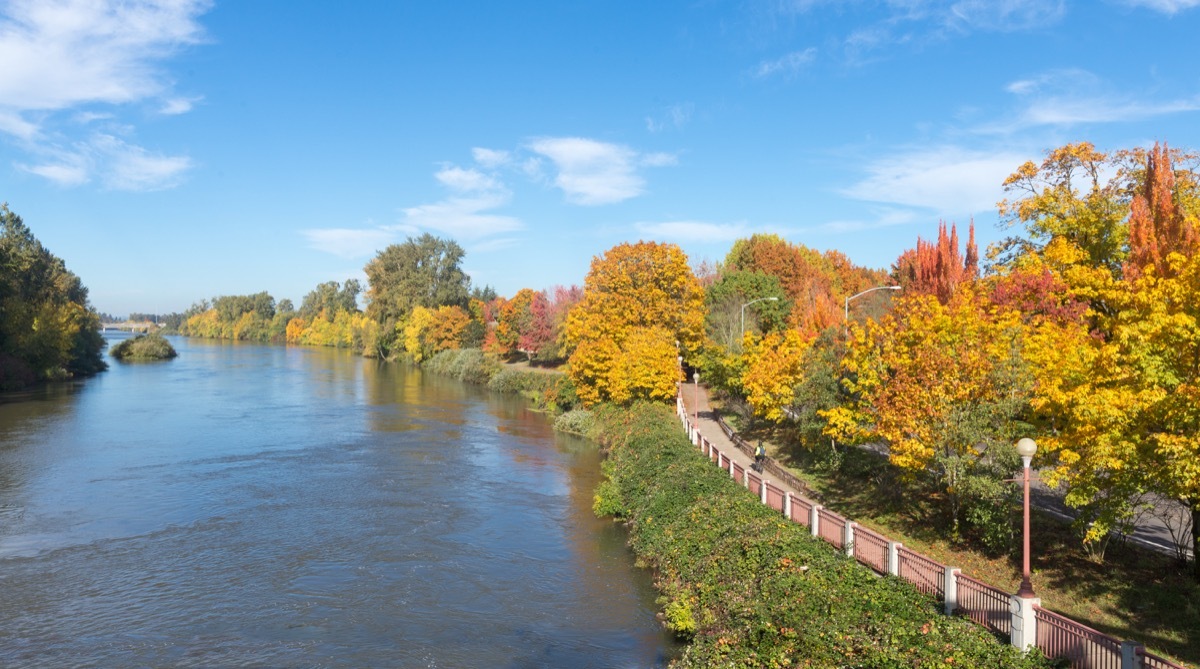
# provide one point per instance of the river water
(270, 506)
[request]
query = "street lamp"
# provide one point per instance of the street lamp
(869, 290)
(743, 330)
(1026, 447)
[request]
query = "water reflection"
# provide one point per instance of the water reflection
(304, 507)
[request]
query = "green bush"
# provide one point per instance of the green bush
(469, 365)
(150, 346)
(753, 589)
(576, 421)
(519, 381)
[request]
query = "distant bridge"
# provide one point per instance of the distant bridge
(131, 326)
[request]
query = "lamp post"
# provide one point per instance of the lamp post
(846, 315)
(696, 378)
(743, 330)
(1026, 447)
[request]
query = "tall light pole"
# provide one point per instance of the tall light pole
(743, 330)
(1026, 447)
(846, 315)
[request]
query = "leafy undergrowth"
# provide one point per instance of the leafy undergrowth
(149, 346)
(751, 589)
(1134, 594)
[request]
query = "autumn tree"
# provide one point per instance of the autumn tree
(1158, 224)
(1125, 408)
(1077, 195)
(638, 301)
(944, 387)
(512, 320)
(774, 367)
(538, 333)
(938, 268)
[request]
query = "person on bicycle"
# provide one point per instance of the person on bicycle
(760, 454)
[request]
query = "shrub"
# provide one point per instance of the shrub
(754, 589)
(576, 421)
(150, 346)
(470, 365)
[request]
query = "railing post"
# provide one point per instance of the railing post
(746, 477)
(762, 490)
(814, 520)
(787, 504)
(732, 474)
(1024, 622)
(894, 557)
(1129, 655)
(952, 590)
(848, 537)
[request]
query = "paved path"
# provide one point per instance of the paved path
(1150, 532)
(707, 424)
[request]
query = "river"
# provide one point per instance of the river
(249, 505)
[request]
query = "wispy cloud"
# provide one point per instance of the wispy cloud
(1073, 96)
(349, 243)
(673, 117)
(946, 180)
(1169, 7)
(787, 65)
(594, 173)
(465, 218)
(62, 54)
(693, 231)
(119, 165)
(491, 158)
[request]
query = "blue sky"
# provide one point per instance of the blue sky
(174, 150)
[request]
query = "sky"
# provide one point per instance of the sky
(170, 151)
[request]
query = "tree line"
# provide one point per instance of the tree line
(48, 329)
(1079, 329)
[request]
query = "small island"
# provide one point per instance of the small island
(150, 346)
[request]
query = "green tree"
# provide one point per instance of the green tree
(423, 272)
(726, 296)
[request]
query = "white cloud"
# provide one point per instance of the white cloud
(61, 53)
(491, 158)
(1074, 96)
(176, 106)
(63, 174)
(672, 118)
(694, 231)
(948, 180)
(1169, 7)
(1004, 15)
(133, 168)
(884, 218)
(787, 65)
(466, 180)
(463, 217)
(349, 243)
(120, 165)
(595, 173)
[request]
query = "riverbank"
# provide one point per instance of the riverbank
(750, 588)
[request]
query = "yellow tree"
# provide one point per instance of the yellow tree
(644, 293)
(1125, 409)
(942, 385)
(774, 367)
(446, 328)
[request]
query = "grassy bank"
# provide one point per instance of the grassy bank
(751, 589)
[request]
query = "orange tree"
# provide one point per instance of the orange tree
(638, 301)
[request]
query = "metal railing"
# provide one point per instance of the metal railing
(1083, 647)
(986, 605)
(1057, 636)
(871, 549)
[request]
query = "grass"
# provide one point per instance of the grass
(1134, 594)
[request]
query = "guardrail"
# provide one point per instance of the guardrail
(1055, 635)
